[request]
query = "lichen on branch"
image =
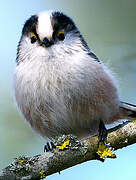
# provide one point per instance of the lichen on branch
(40, 166)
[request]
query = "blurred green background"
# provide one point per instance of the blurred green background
(109, 27)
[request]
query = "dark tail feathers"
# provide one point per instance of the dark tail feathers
(127, 111)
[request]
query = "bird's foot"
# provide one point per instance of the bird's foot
(49, 146)
(105, 151)
(61, 142)
(65, 142)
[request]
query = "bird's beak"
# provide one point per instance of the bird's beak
(47, 43)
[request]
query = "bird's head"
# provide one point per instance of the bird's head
(48, 28)
(49, 33)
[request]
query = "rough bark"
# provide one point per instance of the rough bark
(39, 166)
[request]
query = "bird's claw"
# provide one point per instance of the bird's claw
(104, 151)
(49, 146)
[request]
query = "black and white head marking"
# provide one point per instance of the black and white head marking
(49, 28)
(46, 27)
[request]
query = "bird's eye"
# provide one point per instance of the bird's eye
(61, 36)
(33, 38)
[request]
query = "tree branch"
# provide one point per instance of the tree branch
(37, 167)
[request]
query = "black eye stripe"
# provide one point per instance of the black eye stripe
(30, 25)
(61, 21)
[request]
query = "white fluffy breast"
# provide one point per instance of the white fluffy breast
(44, 27)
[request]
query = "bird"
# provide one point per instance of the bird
(60, 85)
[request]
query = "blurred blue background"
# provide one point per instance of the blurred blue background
(109, 27)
